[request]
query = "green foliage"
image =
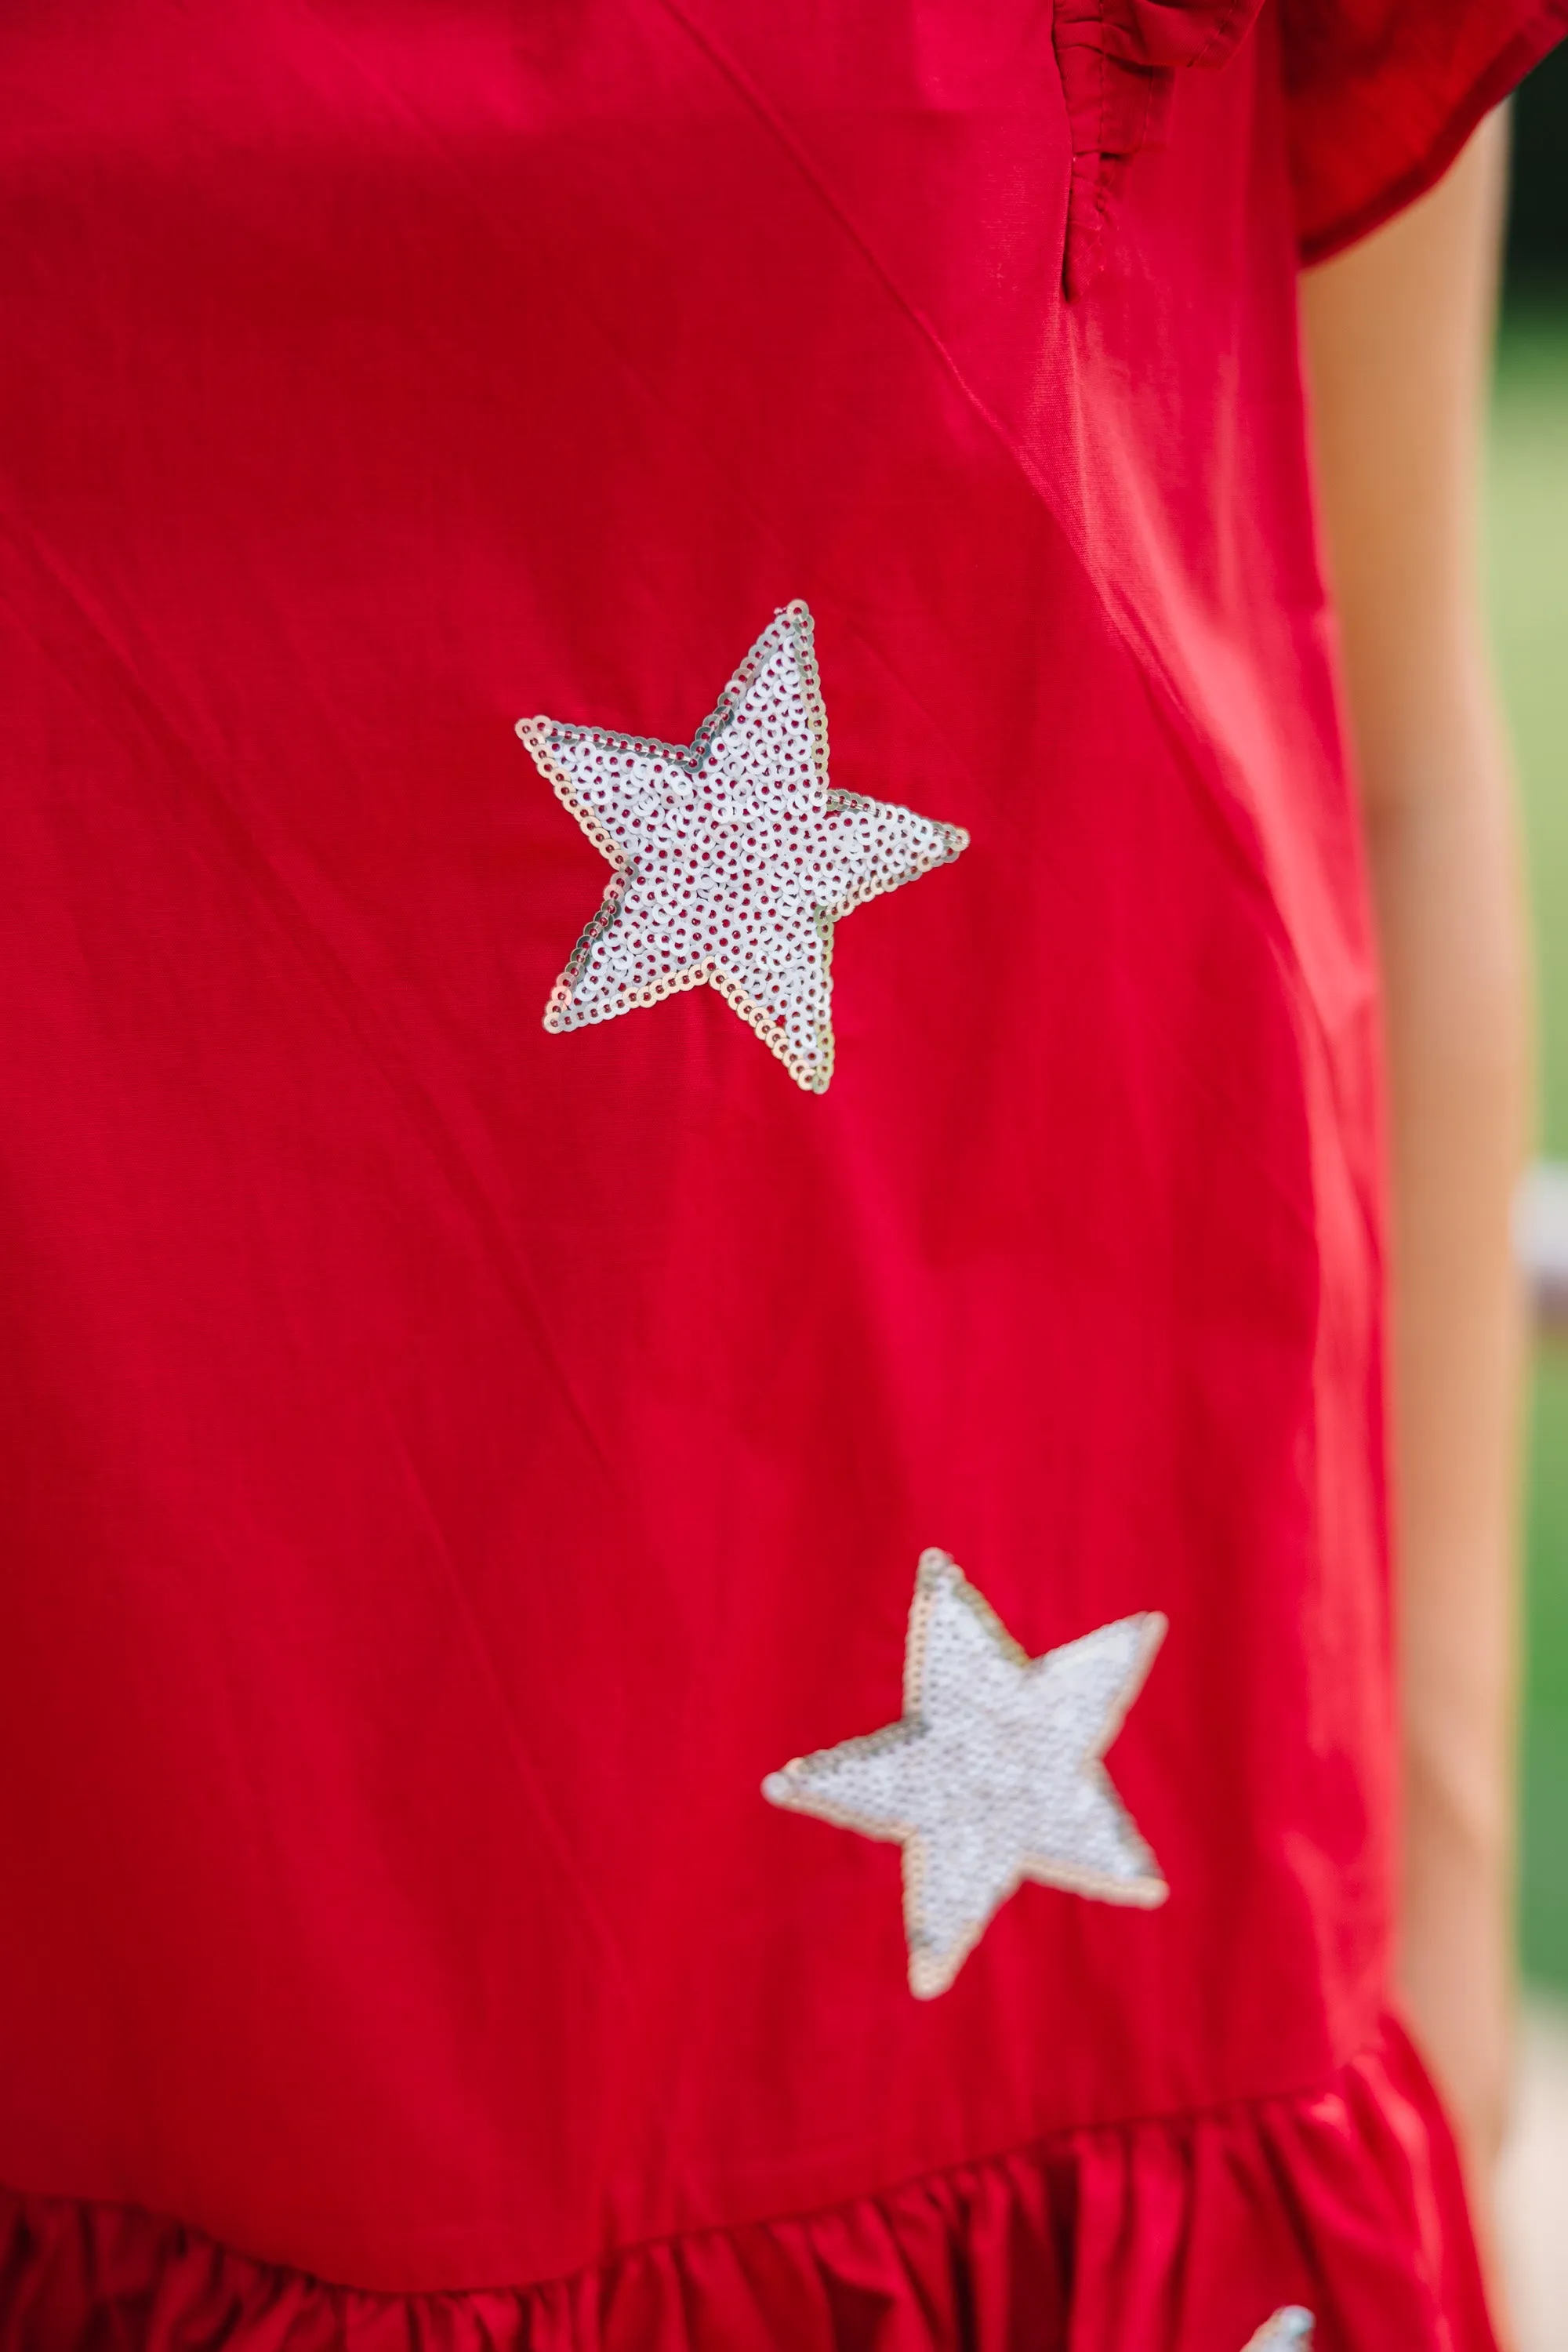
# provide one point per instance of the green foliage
(1528, 564)
(1544, 1846)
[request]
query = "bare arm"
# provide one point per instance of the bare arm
(1398, 342)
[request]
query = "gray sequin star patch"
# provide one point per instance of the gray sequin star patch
(992, 1774)
(733, 858)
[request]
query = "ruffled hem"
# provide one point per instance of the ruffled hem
(1177, 2235)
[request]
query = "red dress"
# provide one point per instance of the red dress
(693, 1635)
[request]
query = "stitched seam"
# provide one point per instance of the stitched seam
(1221, 31)
(1145, 656)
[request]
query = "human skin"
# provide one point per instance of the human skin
(1398, 340)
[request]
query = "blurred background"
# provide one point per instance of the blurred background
(1529, 588)
(1529, 570)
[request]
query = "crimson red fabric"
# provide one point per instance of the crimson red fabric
(1383, 96)
(1160, 2232)
(1118, 61)
(451, 1465)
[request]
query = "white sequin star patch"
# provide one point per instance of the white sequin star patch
(993, 1775)
(732, 857)
(1290, 2327)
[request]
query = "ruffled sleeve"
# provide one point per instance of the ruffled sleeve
(1382, 95)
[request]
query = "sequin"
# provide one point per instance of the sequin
(992, 1774)
(732, 856)
(1291, 2325)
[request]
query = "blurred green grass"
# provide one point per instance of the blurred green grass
(1528, 575)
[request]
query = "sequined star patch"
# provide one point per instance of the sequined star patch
(1290, 2327)
(992, 1774)
(733, 858)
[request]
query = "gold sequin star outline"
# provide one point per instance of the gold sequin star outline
(993, 1775)
(733, 856)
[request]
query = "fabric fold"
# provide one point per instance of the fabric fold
(1185, 2234)
(1117, 60)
